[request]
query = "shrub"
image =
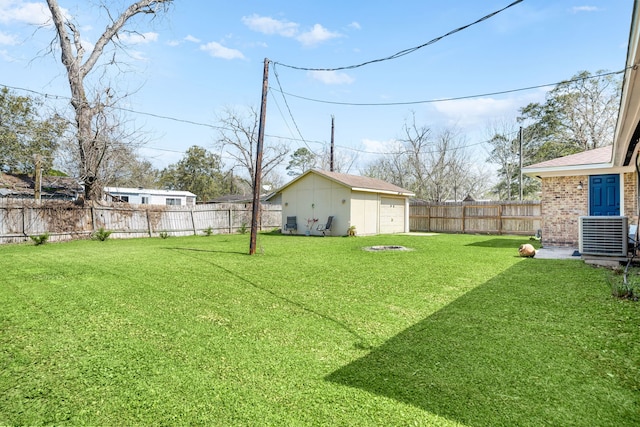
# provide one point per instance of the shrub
(208, 231)
(243, 228)
(40, 239)
(163, 234)
(625, 286)
(101, 234)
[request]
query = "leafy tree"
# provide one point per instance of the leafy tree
(90, 111)
(301, 161)
(199, 171)
(578, 114)
(24, 134)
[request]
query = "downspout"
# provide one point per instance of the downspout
(635, 238)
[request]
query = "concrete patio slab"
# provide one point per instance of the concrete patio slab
(551, 252)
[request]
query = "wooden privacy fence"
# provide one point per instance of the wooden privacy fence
(495, 217)
(20, 219)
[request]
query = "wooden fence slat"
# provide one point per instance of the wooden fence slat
(64, 220)
(495, 217)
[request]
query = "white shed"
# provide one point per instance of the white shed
(371, 205)
(147, 196)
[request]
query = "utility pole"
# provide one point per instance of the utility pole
(332, 141)
(37, 184)
(255, 214)
(520, 138)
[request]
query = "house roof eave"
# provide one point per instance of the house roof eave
(391, 193)
(593, 169)
(627, 132)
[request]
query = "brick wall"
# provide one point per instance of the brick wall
(563, 204)
(631, 197)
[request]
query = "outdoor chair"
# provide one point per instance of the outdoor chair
(291, 224)
(324, 228)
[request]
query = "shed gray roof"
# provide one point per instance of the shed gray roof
(356, 182)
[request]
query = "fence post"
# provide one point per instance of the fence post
(464, 208)
(93, 219)
(499, 218)
(24, 222)
(193, 221)
(148, 223)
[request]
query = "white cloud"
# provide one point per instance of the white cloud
(192, 39)
(268, 25)
(355, 25)
(331, 77)
(137, 38)
(4, 55)
(7, 39)
(478, 111)
(29, 13)
(317, 34)
(577, 9)
(137, 55)
(218, 51)
(375, 146)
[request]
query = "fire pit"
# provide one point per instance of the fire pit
(386, 248)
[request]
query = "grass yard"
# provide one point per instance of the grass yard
(312, 331)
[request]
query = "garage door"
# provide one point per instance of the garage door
(391, 215)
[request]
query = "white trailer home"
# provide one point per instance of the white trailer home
(146, 196)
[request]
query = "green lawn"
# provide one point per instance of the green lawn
(312, 331)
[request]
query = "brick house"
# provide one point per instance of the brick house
(600, 182)
(583, 184)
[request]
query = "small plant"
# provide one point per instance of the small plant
(243, 228)
(40, 239)
(351, 231)
(101, 234)
(163, 234)
(624, 286)
(208, 231)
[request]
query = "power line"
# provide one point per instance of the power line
(457, 98)
(208, 125)
(405, 51)
(275, 73)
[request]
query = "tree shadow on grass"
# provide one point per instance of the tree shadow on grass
(507, 353)
(360, 342)
(500, 243)
(177, 248)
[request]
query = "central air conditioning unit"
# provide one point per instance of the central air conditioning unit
(603, 235)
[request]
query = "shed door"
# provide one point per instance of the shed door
(391, 215)
(604, 195)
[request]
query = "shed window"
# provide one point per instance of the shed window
(173, 202)
(145, 200)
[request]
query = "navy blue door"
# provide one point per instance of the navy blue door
(604, 195)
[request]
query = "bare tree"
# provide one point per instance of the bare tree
(342, 161)
(90, 114)
(238, 139)
(435, 167)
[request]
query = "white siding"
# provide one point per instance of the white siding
(315, 197)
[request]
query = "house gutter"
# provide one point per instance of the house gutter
(389, 192)
(627, 131)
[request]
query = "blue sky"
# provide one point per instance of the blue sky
(205, 56)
